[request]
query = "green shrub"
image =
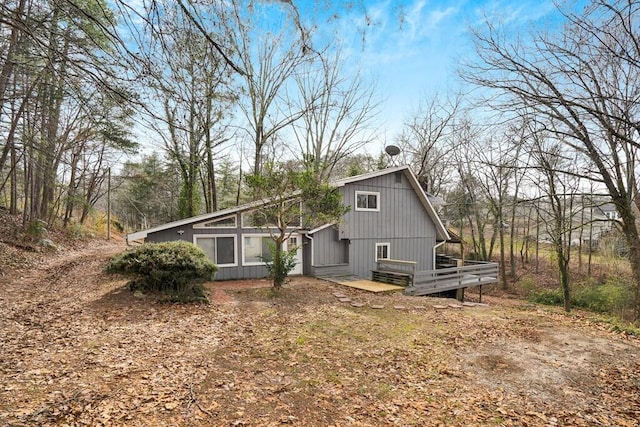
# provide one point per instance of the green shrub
(547, 297)
(280, 267)
(176, 269)
(526, 286)
(36, 230)
(614, 296)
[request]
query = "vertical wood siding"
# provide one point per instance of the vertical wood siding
(402, 222)
(328, 249)
(401, 214)
(224, 273)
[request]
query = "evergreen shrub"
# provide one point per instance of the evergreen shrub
(176, 269)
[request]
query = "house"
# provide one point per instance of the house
(391, 217)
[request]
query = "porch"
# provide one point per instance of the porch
(455, 275)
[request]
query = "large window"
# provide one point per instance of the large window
(220, 249)
(382, 251)
(255, 249)
(367, 201)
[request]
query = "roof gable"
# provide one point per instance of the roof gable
(441, 231)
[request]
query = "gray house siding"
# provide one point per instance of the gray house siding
(330, 255)
(401, 221)
(401, 213)
(362, 253)
(396, 212)
(239, 271)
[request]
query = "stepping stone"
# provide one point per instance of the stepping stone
(456, 306)
(419, 307)
(357, 304)
(440, 307)
(339, 295)
(399, 307)
(377, 306)
(474, 304)
(344, 299)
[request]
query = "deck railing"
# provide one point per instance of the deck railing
(447, 279)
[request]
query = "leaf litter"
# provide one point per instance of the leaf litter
(77, 348)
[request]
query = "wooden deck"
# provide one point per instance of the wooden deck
(448, 279)
(364, 284)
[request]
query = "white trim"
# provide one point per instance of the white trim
(440, 228)
(253, 263)
(367, 193)
(201, 225)
(375, 174)
(382, 244)
(235, 246)
(322, 227)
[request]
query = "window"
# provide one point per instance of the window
(226, 222)
(382, 251)
(255, 249)
(367, 201)
(220, 249)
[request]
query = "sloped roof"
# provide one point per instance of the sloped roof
(423, 196)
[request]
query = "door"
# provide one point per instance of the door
(294, 242)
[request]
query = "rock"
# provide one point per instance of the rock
(48, 244)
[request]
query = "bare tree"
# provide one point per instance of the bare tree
(584, 82)
(269, 58)
(428, 140)
(191, 88)
(555, 175)
(339, 112)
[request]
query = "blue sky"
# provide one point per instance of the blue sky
(413, 47)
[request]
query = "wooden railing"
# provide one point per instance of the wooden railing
(447, 279)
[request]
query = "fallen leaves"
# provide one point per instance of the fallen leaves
(76, 348)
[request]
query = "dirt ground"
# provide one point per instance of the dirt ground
(77, 348)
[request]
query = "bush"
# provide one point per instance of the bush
(279, 267)
(547, 297)
(614, 296)
(176, 269)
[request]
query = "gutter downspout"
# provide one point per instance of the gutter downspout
(313, 264)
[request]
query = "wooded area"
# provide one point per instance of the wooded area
(218, 90)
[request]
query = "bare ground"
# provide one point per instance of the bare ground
(77, 348)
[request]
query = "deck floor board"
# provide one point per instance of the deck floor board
(364, 284)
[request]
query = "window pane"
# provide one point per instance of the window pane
(361, 202)
(208, 245)
(226, 250)
(382, 252)
(252, 249)
(266, 251)
(372, 201)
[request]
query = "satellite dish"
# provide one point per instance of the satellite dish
(392, 150)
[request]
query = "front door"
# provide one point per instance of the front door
(294, 242)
